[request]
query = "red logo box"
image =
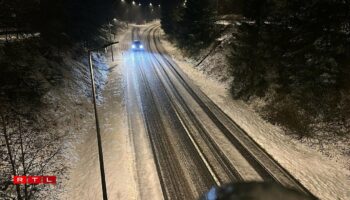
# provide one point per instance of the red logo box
(34, 180)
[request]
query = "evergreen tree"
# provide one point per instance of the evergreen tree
(230, 6)
(86, 17)
(18, 14)
(198, 22)
(58, 21)
(250, 59)
(51, 22)
(300, 50)
(169, 15)
(308, 41)
(318, 44)
(250, 53)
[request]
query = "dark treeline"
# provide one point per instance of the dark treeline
(191, 22)
(230, 6)
(297, 52)
(58, 21)
(293, 53)
(66, 29)
(299, 41)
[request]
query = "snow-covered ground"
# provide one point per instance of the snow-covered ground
(84, 176)
(63, 105)
(72, 108)
(13, 37)
(327, 178)
(130, 169)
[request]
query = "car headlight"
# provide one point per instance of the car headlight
(133, 46)
(141, 46)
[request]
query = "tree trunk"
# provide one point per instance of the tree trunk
(12, 161)
(23, 158)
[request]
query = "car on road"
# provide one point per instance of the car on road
(137, 45)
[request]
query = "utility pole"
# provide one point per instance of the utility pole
(110, 39)
(98, 133)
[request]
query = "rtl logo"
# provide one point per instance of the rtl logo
(17, 180)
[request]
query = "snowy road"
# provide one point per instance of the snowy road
(193, 143)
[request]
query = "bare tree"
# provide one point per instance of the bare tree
(29, 149)
(11, 159)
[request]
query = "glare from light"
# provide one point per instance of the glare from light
(133, 46)
(150, 4)
(140, 4)
(133, 3)
(141, 46)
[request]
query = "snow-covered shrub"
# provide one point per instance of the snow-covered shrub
(287, 113)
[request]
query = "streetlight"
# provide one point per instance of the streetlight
(139, 4)
(110, 37)
(133, 3)
(150, 4)
(98, 133)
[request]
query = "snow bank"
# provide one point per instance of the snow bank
(323, 176)
(55, 90)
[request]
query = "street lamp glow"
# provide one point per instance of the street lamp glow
(139, 4)
(123, 1)
(150, 4)
(133, 3)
